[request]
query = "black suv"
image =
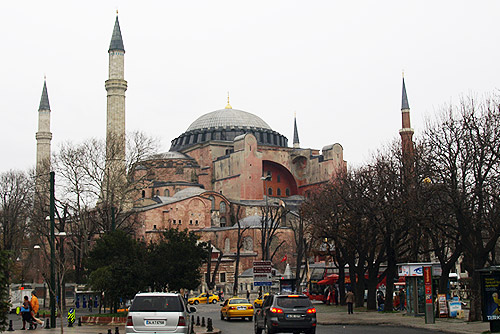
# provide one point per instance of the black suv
(285, 313)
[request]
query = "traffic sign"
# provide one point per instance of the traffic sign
(262, 273)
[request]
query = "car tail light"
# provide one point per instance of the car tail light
(232, 307)
(129, 321)
(182, 321)
(250, 307)
(311, 310)
(276, 310)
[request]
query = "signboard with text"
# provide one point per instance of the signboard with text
(262, 273)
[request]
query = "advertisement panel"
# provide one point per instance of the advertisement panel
(491, 296)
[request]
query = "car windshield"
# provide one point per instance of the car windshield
(291, 302)
(239, 301)
(156, 303)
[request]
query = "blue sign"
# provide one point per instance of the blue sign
(262, 283)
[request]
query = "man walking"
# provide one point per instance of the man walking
(349, 299)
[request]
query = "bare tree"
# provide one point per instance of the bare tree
(465, 153)
(16, 196)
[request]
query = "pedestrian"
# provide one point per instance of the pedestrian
(26, 312)
(34, 307)
(336, 295)
(380, 300)
(248, 295)
(349, 299)
(402, 299)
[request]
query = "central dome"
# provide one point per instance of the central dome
(230, 118)
(225, 125)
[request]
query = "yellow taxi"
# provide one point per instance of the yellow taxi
(236, 308)
(204, 298)
(258, 302)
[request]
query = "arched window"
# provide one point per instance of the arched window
(212, 199)
(143, 193)
(157, 192)
(278, 192)
(278, 178)
(223, 222)
(222, 207)
(287, 192)
(227, 245)
(270, 191)
(166, 193)
(248, 244)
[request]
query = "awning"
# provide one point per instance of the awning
(329, 280)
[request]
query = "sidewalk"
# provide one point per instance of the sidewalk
(337, 315)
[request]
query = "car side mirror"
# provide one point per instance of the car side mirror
(192, 309)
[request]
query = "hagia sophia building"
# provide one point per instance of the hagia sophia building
(226, 161)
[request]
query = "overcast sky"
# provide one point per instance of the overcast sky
(337, 64)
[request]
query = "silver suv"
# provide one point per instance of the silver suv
(158, 312)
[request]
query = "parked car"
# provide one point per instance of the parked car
(285, 313)
(158, 312)
(204, 298)
(236, 308)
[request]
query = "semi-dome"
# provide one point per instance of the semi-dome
(228, 118)
(225, 125)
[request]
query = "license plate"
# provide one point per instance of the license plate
(241, 307)
(155, 322)
(294, 316)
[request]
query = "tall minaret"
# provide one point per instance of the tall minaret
(43, 136)
(116, 87)
(296, 143)
(406, 131)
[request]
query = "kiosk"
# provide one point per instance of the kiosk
(416, 287)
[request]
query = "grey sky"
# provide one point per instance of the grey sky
(337, 64)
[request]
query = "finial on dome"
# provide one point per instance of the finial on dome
(228, 105)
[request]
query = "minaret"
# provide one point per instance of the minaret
(43, 136)
(116, 87)
(406, 131)
(296, 143)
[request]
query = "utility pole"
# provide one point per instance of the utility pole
(52, 253)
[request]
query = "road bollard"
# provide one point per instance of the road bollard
(197, 320)
(109, 331)
(47, 323)
(192, 325)
(202, 321)
(10, 326)
(210, 328)
(79, 321)
(117, 331)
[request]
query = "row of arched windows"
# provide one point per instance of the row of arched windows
(278, 192)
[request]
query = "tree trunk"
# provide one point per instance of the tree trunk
(341, 282)
(371, 300)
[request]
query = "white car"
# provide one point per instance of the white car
(158, 312)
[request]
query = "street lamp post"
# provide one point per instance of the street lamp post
(52, 253)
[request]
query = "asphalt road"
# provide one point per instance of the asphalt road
(238, 326)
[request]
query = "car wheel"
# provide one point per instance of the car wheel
(256, 328)
(228, 318)
(250, 318)
(196, 302)
(221, 316)
(268, 330)
(214, 301)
